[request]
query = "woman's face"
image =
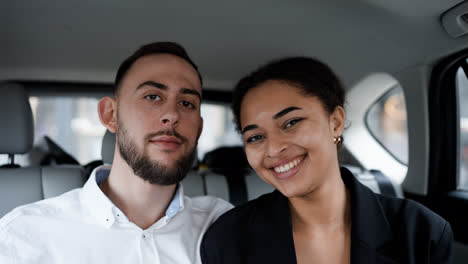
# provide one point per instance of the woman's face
(289, 137)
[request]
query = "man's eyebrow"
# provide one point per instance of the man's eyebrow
(164, 87)
(191, 91)
(154, 84)
(285, 111)
(247, 128)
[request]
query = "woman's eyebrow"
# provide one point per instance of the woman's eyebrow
(285, 111)
(247, 128)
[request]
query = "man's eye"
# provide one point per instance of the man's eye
(292, 122)
(254, 138)
(187, 104)
(153, 97)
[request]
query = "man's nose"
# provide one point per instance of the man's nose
(170, 115)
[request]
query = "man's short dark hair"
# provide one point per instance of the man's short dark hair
(151, 49)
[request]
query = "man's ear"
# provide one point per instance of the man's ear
(200, 129)
(107, 110)
(337, 121)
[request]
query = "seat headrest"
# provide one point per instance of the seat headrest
(226, 158)
(16, 119)
(108, 147)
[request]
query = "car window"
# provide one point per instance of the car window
(218, 128)
(462, 92)
(387, 121)
(73, 123)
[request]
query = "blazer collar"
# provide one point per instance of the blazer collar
(271, 227)
(370, 230)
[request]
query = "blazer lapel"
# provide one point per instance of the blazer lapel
(272, 240)
(370, 230)
(271, 226)
(362, 253)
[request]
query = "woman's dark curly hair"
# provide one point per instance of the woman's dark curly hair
(311, 76)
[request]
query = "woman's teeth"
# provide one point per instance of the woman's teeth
(288, 166)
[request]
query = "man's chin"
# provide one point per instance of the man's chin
(168, 163)
(164, 155)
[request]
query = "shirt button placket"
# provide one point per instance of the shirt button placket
(148, 249)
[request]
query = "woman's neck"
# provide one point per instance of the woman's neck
(326, 208)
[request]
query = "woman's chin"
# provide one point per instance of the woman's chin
(290, 191)
(296, 190)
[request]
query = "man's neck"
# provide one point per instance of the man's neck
(142, 202)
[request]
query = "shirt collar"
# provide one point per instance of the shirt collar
(104, 210)
(177, 203)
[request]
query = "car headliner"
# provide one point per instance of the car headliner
(84, 41)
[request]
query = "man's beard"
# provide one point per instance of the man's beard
(150, 170)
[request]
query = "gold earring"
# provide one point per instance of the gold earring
(337, 140)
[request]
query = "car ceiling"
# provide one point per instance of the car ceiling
(84, 41)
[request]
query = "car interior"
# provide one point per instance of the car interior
(404, 65)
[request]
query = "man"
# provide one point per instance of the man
(134, 211)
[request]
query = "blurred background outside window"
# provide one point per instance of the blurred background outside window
(462, 91)
(387, 122)
(73, 123)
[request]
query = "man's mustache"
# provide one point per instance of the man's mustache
(167, 132)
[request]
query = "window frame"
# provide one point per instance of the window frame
(99, 90)
(444, 123)
(443, 197)
(373, 134)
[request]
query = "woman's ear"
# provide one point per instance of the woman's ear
(337, 121)
(107, 110)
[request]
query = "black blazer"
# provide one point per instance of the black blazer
(384, 230)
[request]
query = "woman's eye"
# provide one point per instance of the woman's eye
(153, 97)
(292, 122)
(254, 138)
(187, 104)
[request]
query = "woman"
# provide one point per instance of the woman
(291, 117)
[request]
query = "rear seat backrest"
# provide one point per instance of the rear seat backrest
(60, 179)
(227, 159)
(376, 181)
(230, 177)
(108, 147)
(214, 182)
(19, 186)
(256, 186)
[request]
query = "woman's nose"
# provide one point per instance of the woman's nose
(275, 146)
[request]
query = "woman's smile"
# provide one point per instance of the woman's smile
(288, 168)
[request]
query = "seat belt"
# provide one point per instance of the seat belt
(236, 186)
(385, 185)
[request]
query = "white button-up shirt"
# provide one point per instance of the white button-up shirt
(84, 226)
